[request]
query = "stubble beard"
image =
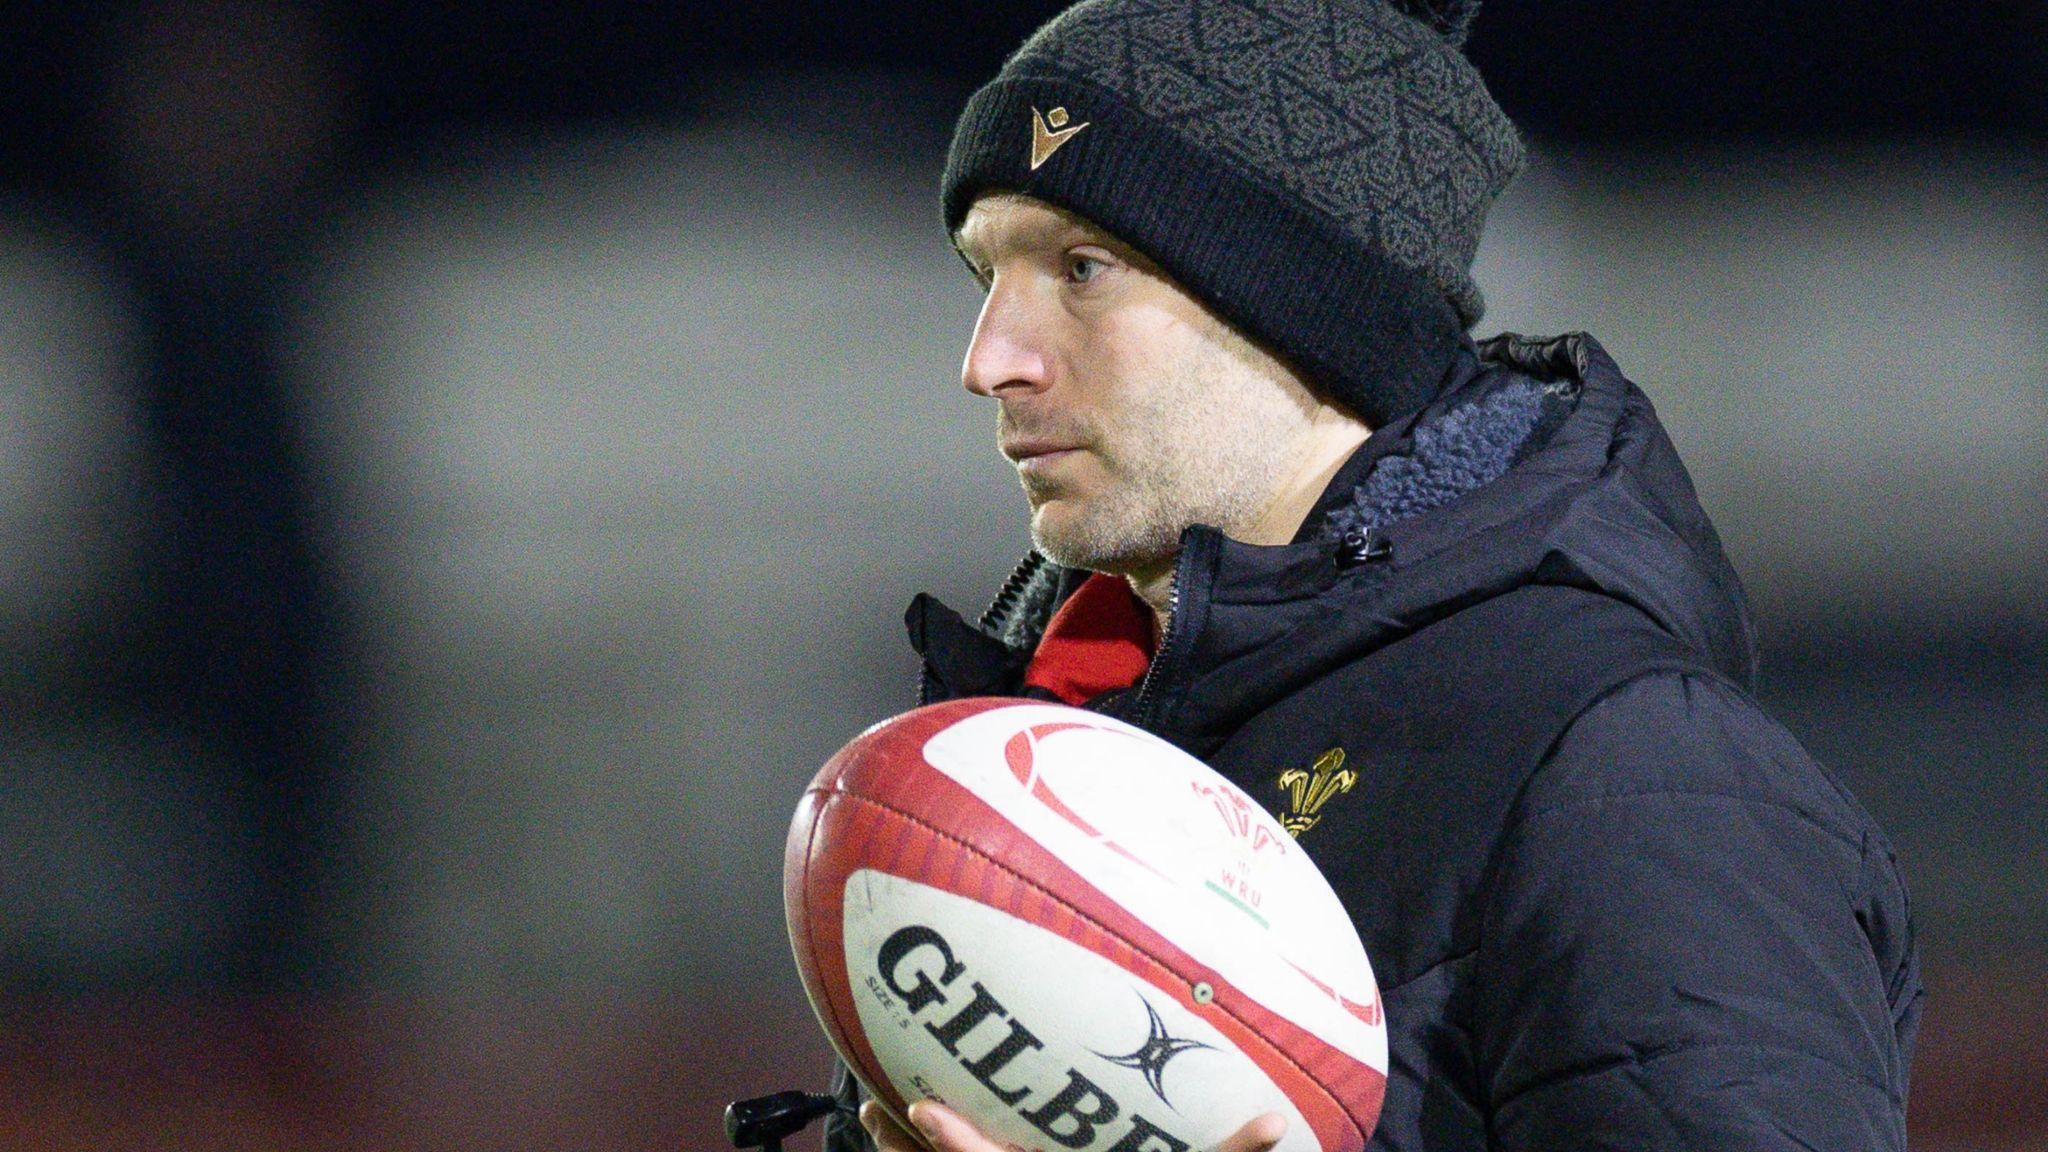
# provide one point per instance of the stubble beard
(1208, 451)
(1132, 526)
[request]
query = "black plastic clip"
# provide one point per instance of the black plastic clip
(765, 1121)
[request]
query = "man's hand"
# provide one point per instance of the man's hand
(942, 1130)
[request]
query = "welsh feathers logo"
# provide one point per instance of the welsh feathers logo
(1236, 812)
(1050, 130)
(1308, 790)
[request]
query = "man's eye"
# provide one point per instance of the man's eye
(1081, 269)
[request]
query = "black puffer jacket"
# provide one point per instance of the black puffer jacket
(1498, 687)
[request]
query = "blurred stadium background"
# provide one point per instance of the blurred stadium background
(462, 466)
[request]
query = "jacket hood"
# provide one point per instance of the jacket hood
(1541, 464)
(1544, 465)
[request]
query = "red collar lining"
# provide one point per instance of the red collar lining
(1100, 640)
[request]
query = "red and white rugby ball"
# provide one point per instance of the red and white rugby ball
(1077, 936)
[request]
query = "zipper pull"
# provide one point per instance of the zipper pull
(1363, 546)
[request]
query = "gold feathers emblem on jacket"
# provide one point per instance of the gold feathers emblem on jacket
(1309, 789)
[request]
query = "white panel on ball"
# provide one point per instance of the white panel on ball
(949, 988)
(1183, 851)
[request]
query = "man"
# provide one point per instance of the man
(1451, 609)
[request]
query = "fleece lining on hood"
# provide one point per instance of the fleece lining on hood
(1466, 448)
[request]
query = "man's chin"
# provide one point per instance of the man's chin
(1055, 532)
(1072, 541)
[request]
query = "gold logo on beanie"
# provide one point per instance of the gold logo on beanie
(1048, 131)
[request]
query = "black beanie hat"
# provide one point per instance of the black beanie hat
(1316, 171)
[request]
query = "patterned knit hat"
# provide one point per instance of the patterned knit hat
(1317, 171)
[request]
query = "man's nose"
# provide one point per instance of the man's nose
(1007, 354)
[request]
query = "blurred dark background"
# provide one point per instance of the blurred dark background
(461, 466)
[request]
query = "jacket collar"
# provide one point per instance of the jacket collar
(1539, 463)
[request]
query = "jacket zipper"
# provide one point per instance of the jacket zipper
(1170, 641)
(994, 618)
(1005, 602)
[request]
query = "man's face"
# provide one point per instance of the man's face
(1129, 410)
